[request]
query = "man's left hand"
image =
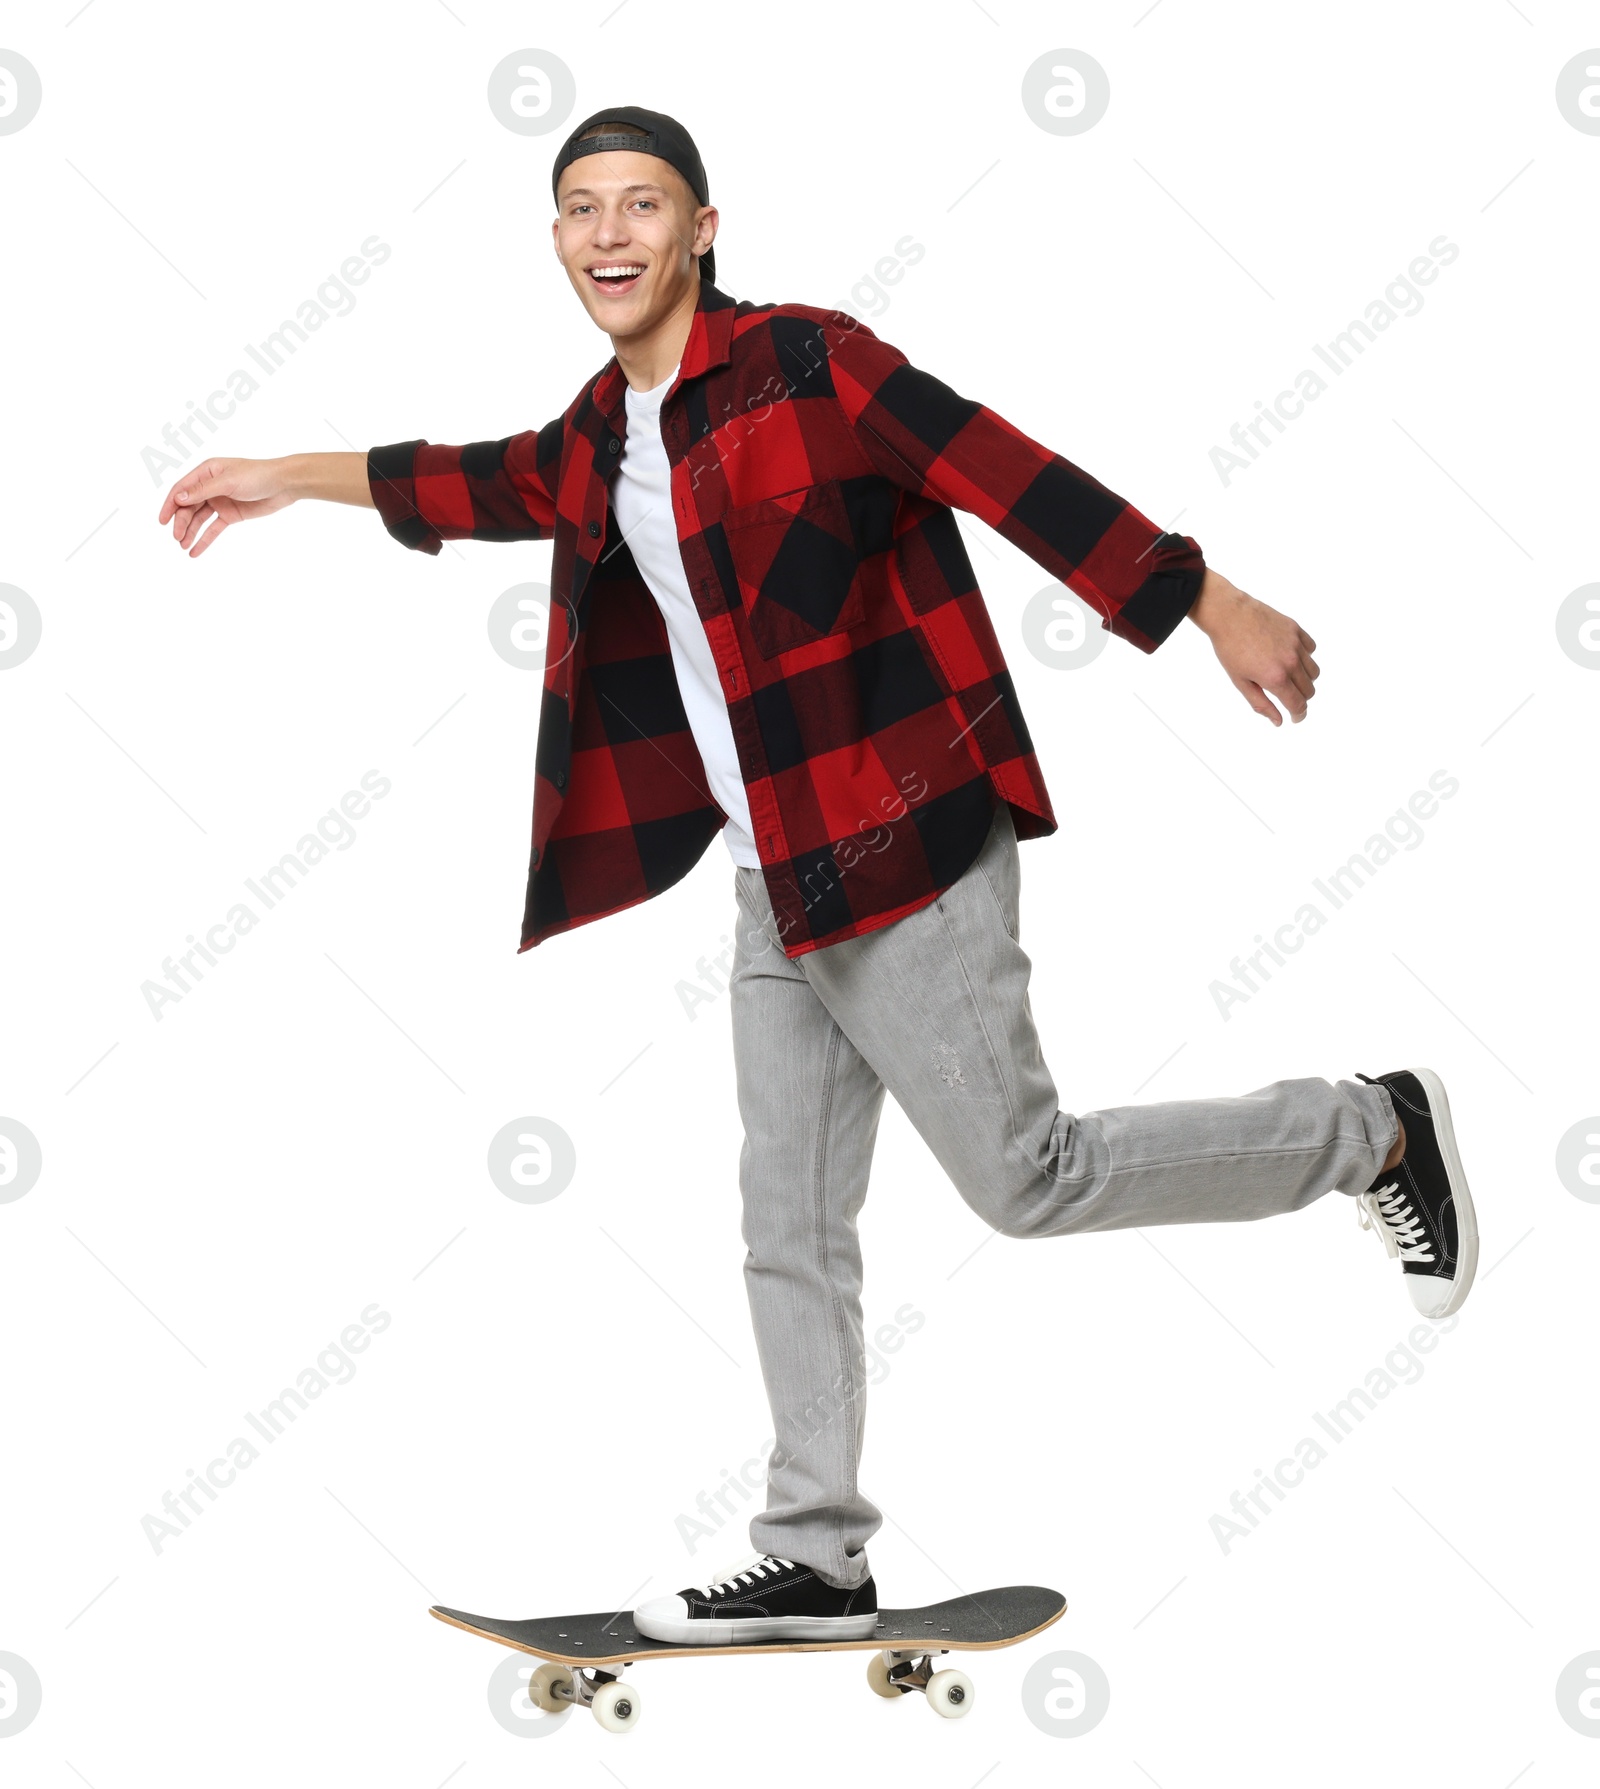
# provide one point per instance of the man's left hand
(1264, 653)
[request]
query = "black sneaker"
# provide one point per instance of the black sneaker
(1421, 1207)
(768, 1599)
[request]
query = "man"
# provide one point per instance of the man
(764, 624)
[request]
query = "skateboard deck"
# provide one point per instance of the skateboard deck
(586, 1653)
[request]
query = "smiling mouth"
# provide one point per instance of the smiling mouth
(616, 277)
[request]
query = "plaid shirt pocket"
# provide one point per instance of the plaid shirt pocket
(796, 561)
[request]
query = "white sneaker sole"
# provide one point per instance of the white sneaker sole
(1466, 1218)
(744, 1632)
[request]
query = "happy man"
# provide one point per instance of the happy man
(764, 624)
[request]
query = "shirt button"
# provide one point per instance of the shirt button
(613, 445)
(561, 779)
(594, 531)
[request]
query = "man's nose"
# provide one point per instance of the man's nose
(613, 225)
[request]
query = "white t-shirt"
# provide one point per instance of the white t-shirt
(641, 495)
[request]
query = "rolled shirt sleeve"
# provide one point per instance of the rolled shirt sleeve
(486, 490)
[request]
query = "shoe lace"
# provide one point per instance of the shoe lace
(758, 1568)
(1387, 1210)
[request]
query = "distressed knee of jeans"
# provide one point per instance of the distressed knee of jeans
(947, 1065)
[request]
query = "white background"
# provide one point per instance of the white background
(225, 1189)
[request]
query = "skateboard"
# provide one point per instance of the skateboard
(587, 1654)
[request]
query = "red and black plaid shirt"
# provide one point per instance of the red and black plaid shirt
(813, 474)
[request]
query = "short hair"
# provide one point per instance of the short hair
(613, 127)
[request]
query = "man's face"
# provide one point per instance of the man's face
(624, 210)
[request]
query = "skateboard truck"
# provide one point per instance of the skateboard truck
(895, 1673)
(614, 1704)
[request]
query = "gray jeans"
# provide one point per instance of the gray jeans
(934, 1007)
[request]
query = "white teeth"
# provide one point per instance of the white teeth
(615, 272)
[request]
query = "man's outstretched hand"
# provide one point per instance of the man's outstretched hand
(222, 492)
(1264, 653)
(218, 493)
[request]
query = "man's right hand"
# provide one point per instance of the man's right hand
(222, 492)
(218, 493)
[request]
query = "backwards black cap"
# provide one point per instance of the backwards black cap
(663, 136)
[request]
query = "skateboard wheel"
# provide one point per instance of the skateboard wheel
(950, 1693)
(616, 1707)
(550, 1688)
(878, 1680)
